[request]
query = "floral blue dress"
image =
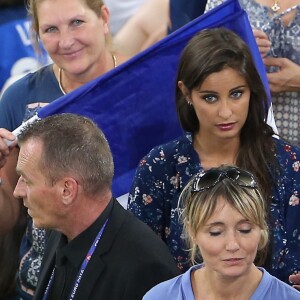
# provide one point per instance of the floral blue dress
(285, 43)
(163, 173)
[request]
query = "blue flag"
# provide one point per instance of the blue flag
(134, 104)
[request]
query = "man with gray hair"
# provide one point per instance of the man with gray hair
(96, 249)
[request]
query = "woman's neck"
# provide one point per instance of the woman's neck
(215, 152)
(69, 82)
(212, 286)
(282, 5)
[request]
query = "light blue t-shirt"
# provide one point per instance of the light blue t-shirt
(180, 288)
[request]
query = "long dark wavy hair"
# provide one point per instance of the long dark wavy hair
(210, 51)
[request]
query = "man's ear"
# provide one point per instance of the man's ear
(69, 190)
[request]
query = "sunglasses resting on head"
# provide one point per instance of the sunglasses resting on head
(207, 180)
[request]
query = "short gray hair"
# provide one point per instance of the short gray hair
(72, 145)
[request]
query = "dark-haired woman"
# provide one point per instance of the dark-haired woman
(222, 105)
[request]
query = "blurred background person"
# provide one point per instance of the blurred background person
(182, 12)
(153, 21)
(18, 47)
(121, 11)
(147, 26)
(12, 10)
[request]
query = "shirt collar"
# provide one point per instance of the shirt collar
(76, 250)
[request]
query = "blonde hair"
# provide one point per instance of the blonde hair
(195, 208)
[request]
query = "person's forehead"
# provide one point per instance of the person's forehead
(222, 206)
(30, 153)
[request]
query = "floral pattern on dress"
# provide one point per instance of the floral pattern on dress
(163, 173)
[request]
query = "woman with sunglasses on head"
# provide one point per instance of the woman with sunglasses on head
(76, 35)
(222, 106)
(224, 219)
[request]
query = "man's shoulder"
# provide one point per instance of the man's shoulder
(52, 237)
(140, 237)
(138, 249)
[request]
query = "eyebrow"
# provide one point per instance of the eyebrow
(214, 224)
(218, 223)
(214, 92)
(71, 19)
(20, 173)
(239, 87)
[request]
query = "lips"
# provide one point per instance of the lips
(70, 54)
(233, 261)
(226, 126)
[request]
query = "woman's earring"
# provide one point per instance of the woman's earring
(188, 101)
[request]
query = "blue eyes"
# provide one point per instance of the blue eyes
(50, 29)
(237, 94)
(74, 23)
(212, 98)
(77, 22)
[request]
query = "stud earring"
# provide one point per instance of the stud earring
(188, 101)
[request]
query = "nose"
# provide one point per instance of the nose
(225, 110)
(66, 39)
(19, 191)
(232, 244)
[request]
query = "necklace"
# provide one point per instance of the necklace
(60, 73)
(275, 7)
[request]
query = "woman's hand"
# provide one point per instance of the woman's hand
(9, 206)
(7, 142)
(295, 280)
(263, 42)
(287, 78)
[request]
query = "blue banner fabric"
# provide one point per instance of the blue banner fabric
(134, 104)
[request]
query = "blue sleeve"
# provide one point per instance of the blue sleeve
(149, 198)
(292, 217)
(13, 104)
(286, 206)
(182, 12)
